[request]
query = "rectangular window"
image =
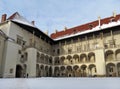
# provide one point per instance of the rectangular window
(58, 51)
(19, 51)
(11, 70)
(111, 43)
(20, 40)
(53, 51)
(69, 50)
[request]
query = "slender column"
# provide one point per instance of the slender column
(116, 70)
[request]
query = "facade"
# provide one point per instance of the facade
(89, 50)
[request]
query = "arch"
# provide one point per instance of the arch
(42, 58)
(83, 70)
(76, 71)
(46, 68)
(63, 71)
(19, 71)
(37, 70)
(62, 68)
(83, 67)
(76, 57)
(69, 57)
(46, 71)
(56, 68)
(110, 69)
(91, 66)
(69, 71)
(46, 59)
(38, 57)
(91, 57)
(117, 54)
(57, 60)
(42, 67)
(26, 56)
(69, 68)
(92, 70)
(75, 67)
(50, 60)
(50, 71)
(56, 72)
(62, 59)
(83, 58)
(109, 55)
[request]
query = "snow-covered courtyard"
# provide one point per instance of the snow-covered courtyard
(60, 83)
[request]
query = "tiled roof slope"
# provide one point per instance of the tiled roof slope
(84, 27)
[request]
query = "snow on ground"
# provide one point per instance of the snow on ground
(60, 83)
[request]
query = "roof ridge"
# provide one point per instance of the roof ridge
(83, 27)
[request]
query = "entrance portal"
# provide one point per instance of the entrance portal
(19, 71)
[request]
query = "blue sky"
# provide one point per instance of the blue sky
(56, 14)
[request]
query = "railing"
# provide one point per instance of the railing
(24, 47)
(78, 51)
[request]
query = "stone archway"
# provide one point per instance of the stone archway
(69, 71)
(63, 71)
(83, 58)
(62, 60)
(110, 69)
(117, 54)
(42, 69)
(91, 57)
(76, 71)
(56, 72)
(84, 71)
(69, 58)
(37, 70)
(76, 58)
(50, 71)
(109, 55)
(19, 71)
(92, 70)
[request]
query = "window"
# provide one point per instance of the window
(32, 42)
(11, 70)
(53, 51)
(22, 56)
(19, 51)
(111, 42)
(20, 40)
(69, 50)
(111, 69)
(58, 51)
(112, 20)
(90, 26)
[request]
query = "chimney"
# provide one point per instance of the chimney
(33, 22)
(3, 18)
(99, 18)
(114, 14)
(65, 28)
(56, 31)
(46, 32)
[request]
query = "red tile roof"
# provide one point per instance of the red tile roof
(84, 27)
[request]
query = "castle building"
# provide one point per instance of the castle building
(88, 50)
